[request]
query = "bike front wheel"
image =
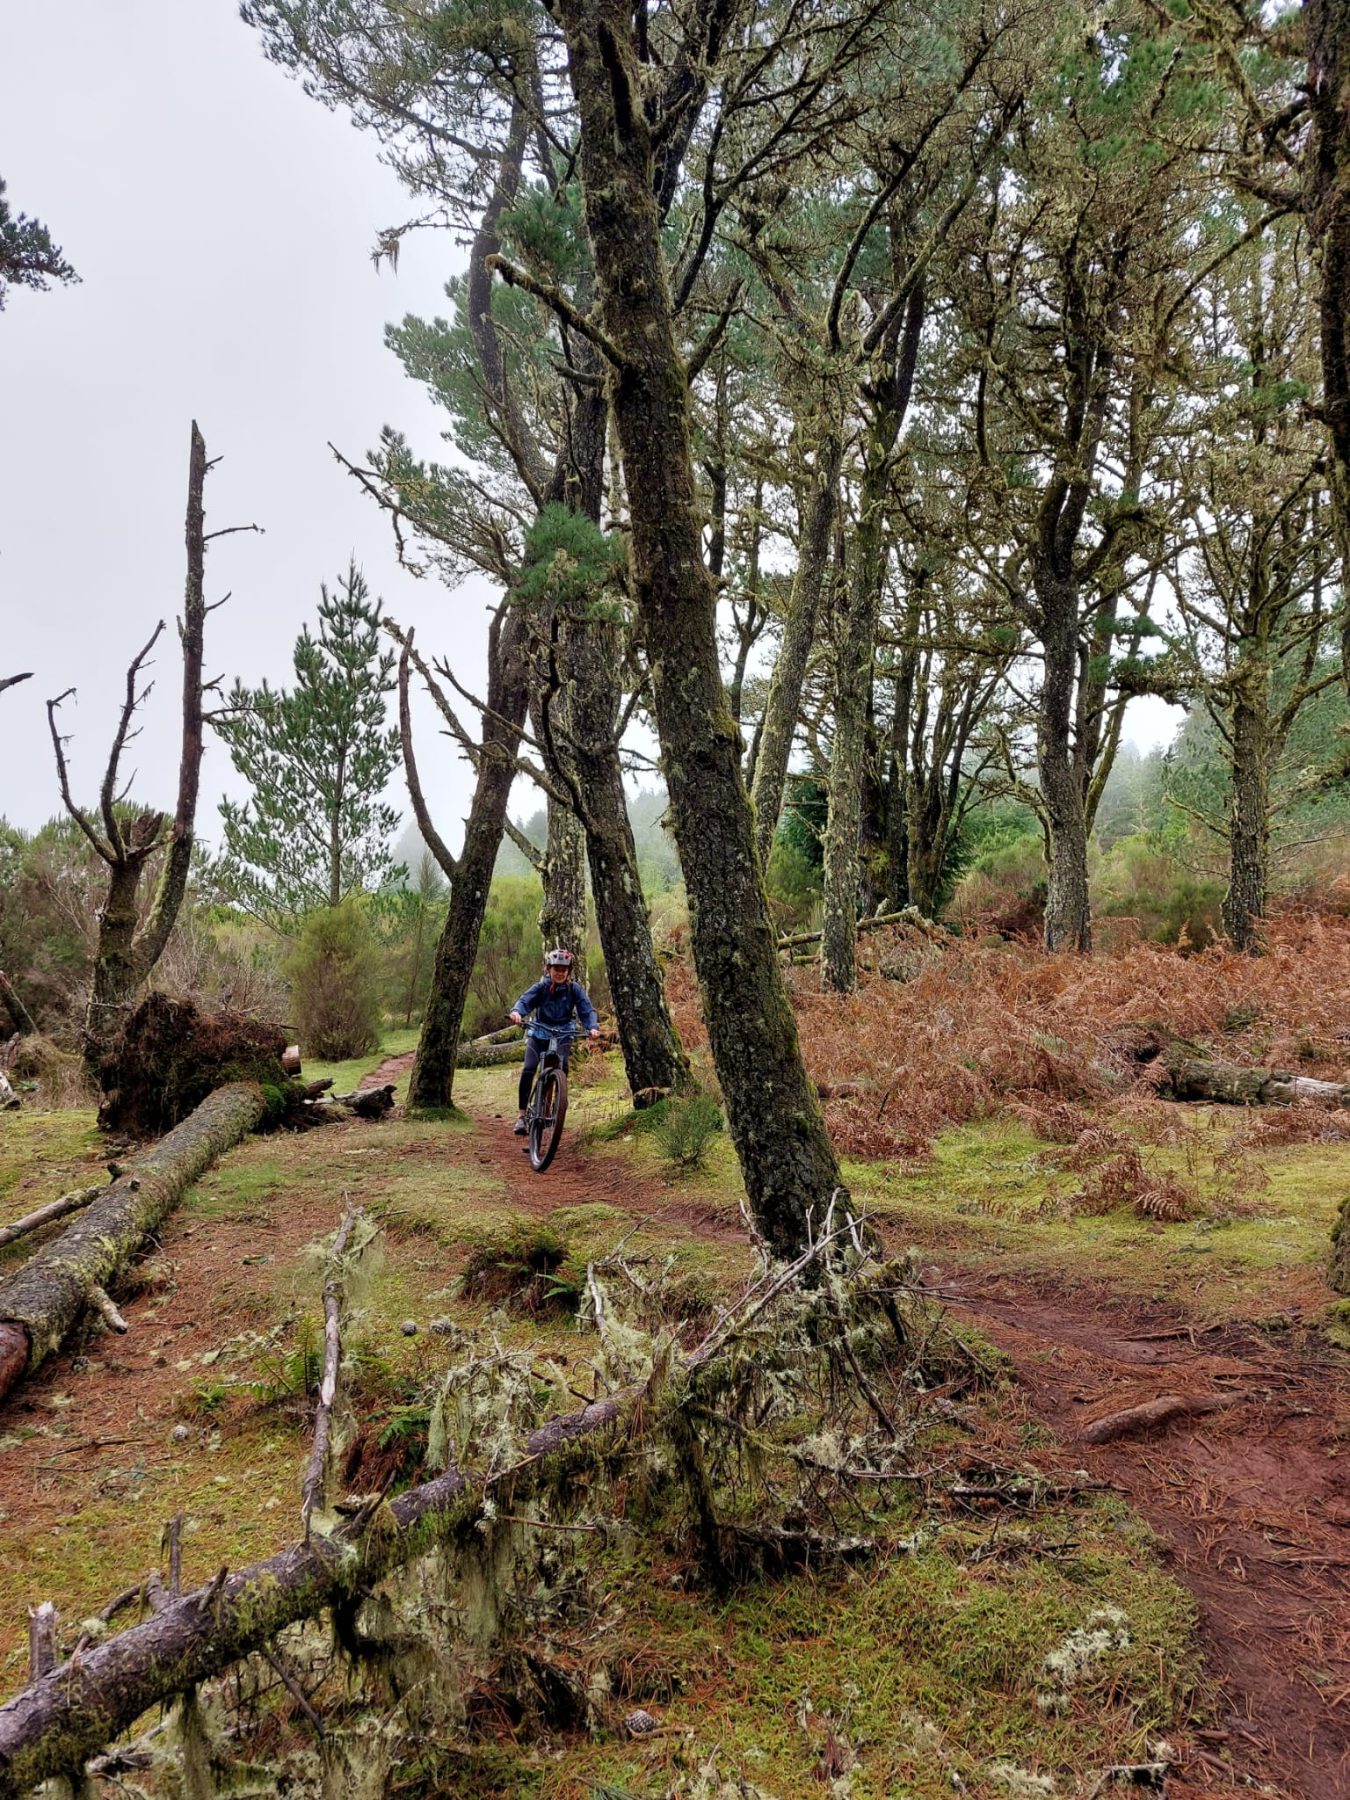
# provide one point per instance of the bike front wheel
(547, 1124)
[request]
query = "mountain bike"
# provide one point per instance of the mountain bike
(548, 1099)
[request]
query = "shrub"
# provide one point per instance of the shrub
(334, 981)
(686, 1128)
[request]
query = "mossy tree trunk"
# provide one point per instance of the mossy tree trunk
(1327, 199)
(589, 653)
(1244, 905)
(562, 915)
(779, 725)
(1068, 918)
(772, 1110)
(431, 1083)
(60, 1720)
(580, 658)
(854, 647)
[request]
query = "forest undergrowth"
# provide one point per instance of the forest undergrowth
(987, 1116)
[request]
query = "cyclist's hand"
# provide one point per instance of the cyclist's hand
(516, 1019)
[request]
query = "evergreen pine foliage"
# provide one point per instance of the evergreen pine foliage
(318, 757)
(28, 257)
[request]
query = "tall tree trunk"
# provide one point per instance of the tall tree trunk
(779, 724)
(1328, 210)
(853, 652)
(579, 694)
(897, 792)
(431, 1084)
(562, 916)
(1068, 920)
(654, 1061)
(1244, 904)
(772, 1109)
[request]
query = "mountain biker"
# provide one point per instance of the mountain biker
(553, 1001)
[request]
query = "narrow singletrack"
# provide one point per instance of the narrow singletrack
(1251, 1503)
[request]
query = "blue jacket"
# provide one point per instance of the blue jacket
(555, 1006)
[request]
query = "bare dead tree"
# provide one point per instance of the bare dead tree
(8, 681)
(129, 946)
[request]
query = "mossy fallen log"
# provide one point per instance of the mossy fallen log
(66, 1716)
(908, 915)
(487, 1056)
(1232, 1084)
(41, 1300)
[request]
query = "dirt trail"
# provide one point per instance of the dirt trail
(1252, 1503)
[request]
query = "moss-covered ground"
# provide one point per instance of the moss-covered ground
(921, 1672)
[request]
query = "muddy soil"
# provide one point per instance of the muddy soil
(1251, 1502)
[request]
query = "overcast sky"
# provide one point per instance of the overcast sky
(222, 223)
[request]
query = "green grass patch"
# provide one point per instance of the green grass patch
(346, 1075)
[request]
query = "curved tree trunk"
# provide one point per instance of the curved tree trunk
(772, 1110)
(779, 724)
(431, 1083)
(42, 1300)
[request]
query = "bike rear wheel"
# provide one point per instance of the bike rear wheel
(547, 1123)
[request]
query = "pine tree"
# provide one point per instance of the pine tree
(28, 257)
(318, 758)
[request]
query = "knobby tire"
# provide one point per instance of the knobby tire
(547, 1123)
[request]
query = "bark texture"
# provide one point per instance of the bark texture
(1068, 917)
(585, 658)
(69, 1714)
(1233, 1084)
(889, 397)
(779, 724)
(1244, 904)
(562, 916)
(431, 1083)
(1328, 211)
(128, 948)
(42, 1300)
(772, 1110)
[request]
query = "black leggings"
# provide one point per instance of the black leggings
(533, 1051)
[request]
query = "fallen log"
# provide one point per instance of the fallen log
(488, 1056)
(50, 1213)
(51, 1727)
(907, 915)
(1230, 1084)
(508, 1034)
(290, 1059)
(367, 1103)
(9, 1100)
(70, 1713)
(1153, 1415)
(42, 1300)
